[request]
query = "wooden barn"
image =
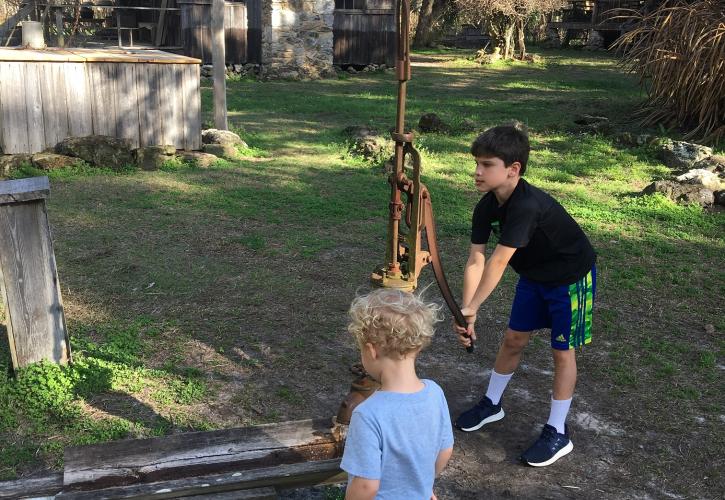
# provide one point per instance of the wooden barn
(364, 32)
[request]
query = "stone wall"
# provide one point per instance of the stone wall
(297, 38)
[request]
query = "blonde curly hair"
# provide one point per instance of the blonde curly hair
(394, 321)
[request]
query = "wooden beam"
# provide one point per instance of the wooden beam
(197, 453)
(31, 188)
(161, 26)
(219, 62)
(29, 283)
(281, 477)
(32, 487)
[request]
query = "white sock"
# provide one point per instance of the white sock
(496, 385)
(559, 411)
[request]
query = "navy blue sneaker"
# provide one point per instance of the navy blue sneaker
(549, 448)
(483, 413)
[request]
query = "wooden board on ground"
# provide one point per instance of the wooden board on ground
(33, 487)
(196, 453)
(280, 477)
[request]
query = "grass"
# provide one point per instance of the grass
(211, 298)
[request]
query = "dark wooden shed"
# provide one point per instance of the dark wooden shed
(242, 25)
(364, 32)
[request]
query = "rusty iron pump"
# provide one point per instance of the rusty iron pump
(405, 255)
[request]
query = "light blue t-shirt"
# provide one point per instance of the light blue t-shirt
(396, 438)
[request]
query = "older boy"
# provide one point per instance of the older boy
(556, 288)
(400, 438)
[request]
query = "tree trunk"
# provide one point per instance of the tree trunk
(521, 37)
(508, 36)
(423, 30)
(430, 12)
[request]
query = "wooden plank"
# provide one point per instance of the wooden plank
(34, 109)
(218, 58)
(174, 98)
(20, 190)
(30, 284)
(195, 453)
(32, 487)
(110, 95)
(192, 111)
(161, 26)
(267, 493)
(12, 99)
(49, 54)
(127, 106)
(95, 94)
(146, 92)
(282, 477)
(53, 95)
(78, 99)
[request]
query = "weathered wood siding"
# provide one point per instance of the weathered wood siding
(150, 102)
(242, 30)
(28, 276)
(365, 36)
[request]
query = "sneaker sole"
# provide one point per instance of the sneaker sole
(487, 420)
(562, 452)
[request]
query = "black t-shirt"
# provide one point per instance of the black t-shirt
(551, 247)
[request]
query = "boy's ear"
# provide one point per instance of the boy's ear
(371, 350)
(515, 168)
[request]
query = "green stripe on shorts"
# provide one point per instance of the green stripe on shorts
(581, 295)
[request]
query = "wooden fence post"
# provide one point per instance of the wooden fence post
(28, 275)
(219, 62)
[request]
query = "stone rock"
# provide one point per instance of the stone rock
(533, 58)
(714, 163)
(153, 157)
(98, 150)
(226, 150)
(201, 160)
(52, 161)
(553, 39)
(593, 124)
(702, 177)
(468, 125)
(682, 155)
(719, 198)
(368, 143)
(431, 122)
(682, 193)
(351, 70)
(595, 41)
(482, 57)
(216, 136)
(630, 139)
(8, 163)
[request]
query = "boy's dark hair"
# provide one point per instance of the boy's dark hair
(508, 142)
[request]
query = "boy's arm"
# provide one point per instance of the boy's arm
(492, 273)
(443, 457)
(363, 489)
(472, 274)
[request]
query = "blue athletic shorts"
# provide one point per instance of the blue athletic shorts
(566, 309)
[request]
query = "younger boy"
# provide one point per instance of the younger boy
(556, 288)
(400, 438)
